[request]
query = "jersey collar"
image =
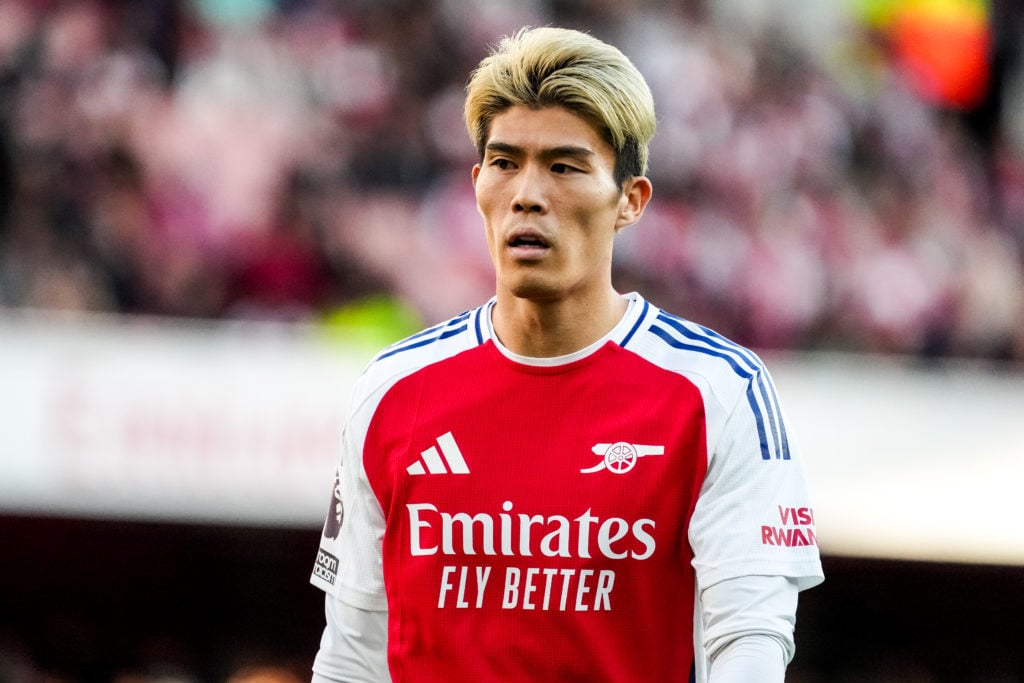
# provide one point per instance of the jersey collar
(635, 309)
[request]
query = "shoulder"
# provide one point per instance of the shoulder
(732, 377)
(432, 345)
(686, 346)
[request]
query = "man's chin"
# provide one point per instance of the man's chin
(535, 290)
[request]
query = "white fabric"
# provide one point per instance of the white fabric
(750, 658)
(749, 605)
(747, 624)
(353, 648)
(742, 489)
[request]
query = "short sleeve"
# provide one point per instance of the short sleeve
(349, 561)
(754, 514)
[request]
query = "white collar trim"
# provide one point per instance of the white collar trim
(618, 332)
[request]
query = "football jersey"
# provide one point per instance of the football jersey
(554, 519)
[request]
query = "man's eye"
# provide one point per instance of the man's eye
(561, 168)
(503, 164)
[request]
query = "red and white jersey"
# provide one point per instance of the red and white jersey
(552, 519)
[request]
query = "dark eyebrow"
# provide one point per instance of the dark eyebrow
(571, 151)
(502, 148)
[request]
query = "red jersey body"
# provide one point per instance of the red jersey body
(546, 520)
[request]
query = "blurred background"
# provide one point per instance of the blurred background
(212, 212)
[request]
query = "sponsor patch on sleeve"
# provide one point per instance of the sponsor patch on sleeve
(326, 566)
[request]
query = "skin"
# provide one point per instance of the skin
(551, 209)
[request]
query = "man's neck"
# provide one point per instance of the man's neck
(546, 329)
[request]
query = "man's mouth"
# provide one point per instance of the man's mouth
(528, 241)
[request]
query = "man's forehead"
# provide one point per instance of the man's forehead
(547, 129)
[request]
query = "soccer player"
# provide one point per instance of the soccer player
(566, 483)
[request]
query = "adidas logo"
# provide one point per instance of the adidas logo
(448, 460)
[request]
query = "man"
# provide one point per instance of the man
(565, 484)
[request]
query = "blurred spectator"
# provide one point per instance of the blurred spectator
(284, 159)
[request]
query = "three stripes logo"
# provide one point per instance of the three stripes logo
(444, 458)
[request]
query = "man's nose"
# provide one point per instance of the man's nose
(530, 194)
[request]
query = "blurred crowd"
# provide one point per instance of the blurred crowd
(290, 159)
(282, 160)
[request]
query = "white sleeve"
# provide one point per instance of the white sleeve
(748, 626)
(353, 648)
(349, 562)
(749, 658)
(754, 515)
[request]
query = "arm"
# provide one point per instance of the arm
(752, 533)
(353, 648)
(348, 568)
(749, 658)
(748, 630)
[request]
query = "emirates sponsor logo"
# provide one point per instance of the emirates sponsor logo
(527, 588)
(515, 534)
(433, 531)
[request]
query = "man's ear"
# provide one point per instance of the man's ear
(636, 193)
(476, 173)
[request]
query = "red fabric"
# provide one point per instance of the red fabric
(525, 434)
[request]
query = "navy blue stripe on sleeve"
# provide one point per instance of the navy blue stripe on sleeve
(761, 396)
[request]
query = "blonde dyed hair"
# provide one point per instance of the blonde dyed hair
(543, 67)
